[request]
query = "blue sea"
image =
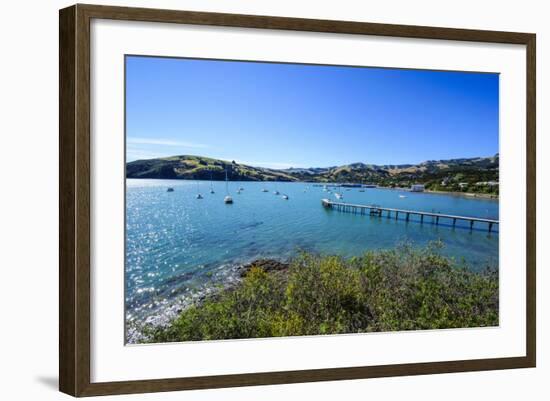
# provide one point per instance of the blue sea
(177, 244)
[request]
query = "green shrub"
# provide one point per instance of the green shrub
(399, 289)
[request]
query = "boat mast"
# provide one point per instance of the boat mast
(226, 186)
(211, 186)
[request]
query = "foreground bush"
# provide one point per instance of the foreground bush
(399, 289)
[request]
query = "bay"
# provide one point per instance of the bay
(176, 243)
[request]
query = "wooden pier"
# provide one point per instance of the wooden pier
(376, 210)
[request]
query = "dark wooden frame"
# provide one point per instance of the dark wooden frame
(74, 199)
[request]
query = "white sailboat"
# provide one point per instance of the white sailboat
(338, 196)
(227, 199)
(276, 192)
(211, 187)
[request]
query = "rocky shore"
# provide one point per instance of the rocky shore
(170, 309)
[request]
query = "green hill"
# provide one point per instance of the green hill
(202, 168)
(471, 174)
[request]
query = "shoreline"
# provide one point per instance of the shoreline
(450, 193)
(169, 309)
(464, 194)
(138, 331)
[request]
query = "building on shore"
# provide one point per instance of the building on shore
(417, 188)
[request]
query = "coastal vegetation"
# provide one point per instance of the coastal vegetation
(475, 175)
(404, 288)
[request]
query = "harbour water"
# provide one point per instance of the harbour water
(176, 243)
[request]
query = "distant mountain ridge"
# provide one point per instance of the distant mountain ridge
(468, 170)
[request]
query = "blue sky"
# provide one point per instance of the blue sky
(283, 115)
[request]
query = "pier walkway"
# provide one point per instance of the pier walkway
(376, 210)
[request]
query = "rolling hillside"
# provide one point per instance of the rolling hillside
(435, 174)
(202, 168)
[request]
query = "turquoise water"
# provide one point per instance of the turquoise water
(175, 242)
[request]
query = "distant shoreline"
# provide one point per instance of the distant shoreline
(452, 193)
(318, 183)
(466, 194)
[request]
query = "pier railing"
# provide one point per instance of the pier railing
(376, 210)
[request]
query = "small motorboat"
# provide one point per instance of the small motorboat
(338, 196)
(170, 190)
(402, 196)
(265, 190)
(285, 197)
(276, 192)
(228, 199)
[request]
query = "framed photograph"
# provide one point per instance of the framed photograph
(250, 200)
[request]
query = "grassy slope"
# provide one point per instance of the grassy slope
(431, 173)
(198, 167)
(399, 289)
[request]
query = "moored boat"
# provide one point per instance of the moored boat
(228, 199)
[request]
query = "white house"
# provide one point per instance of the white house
(417, 188)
